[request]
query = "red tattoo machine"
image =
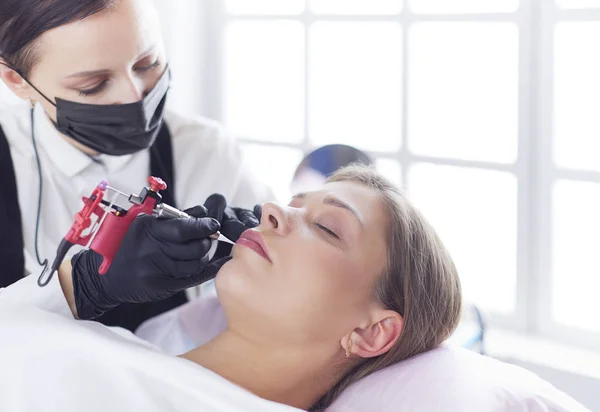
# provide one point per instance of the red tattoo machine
(108, 223)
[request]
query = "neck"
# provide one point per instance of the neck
(294, 376)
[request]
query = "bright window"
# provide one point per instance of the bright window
(267, 7)
(485, 112)
(575, 279)
(356, 6)
(578, 4)
(474, 212)
(463, 90)
(264, 72)
(577, 95)
(355, 88)
(463, 6)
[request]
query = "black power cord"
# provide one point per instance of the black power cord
(44, 263)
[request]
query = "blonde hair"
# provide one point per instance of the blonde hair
(420, 281)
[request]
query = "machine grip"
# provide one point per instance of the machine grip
(109, 238)
(113, 230)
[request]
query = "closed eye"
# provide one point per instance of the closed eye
(94, 90)
(328, 231)
(143, 69)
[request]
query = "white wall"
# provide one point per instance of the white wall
(184, 32)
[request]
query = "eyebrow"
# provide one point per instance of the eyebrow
(333, 201)
(91, 73)
(88, 74)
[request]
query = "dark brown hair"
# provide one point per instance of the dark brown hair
(22, 22)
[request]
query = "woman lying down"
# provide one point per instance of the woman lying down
(336, 285)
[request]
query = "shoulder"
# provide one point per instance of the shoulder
(13, 113)
(200, 141)
(15, 123)
(14, 118)
(196, 131)
(210, 160)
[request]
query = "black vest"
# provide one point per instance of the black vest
(129, 316)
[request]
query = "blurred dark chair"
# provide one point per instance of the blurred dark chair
(321, 163)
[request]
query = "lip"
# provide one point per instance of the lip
(254, 240)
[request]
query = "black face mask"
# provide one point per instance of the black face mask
(114, 129)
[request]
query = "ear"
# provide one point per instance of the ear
(375, 339)
(15, 82)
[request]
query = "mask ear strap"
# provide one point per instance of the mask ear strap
(29, 83)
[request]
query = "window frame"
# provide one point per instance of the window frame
(550, 14)
(533, 168)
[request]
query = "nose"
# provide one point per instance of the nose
(275, 218)
(133, 89)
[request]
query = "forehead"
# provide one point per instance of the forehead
(104, 39)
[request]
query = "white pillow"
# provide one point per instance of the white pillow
(453, 379)
(444, 379)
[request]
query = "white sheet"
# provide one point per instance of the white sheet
(51, 362)
(186, 327)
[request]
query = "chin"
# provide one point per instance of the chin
(232, 281)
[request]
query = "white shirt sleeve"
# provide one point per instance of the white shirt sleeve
(27, 292)
(209, 160)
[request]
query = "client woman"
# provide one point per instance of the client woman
(329, 289)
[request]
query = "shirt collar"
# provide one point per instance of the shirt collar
(114, 163)
(67, 157)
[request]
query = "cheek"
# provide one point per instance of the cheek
(324, 294)
(49, 109)
(44, 77)
(314, 291)
(49, 88)
(323, 275)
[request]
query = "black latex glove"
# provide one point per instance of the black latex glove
(234, 221)
(156, 259)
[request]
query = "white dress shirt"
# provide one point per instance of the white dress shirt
(206, 161)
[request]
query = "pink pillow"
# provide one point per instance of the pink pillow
(453, 379)
(445, 379)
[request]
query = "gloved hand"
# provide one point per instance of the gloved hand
(156, 259)
(234, 221)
